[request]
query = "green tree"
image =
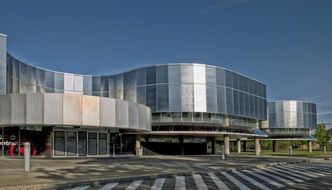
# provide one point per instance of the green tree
(322, 135)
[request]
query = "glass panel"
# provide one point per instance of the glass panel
(151, 75)
(102, 143)
(215, 118)
(92, 143)
(71, 143)
(49, 81)
(177, 117)
(82, 143)
(241, 102)
(59, 83)
(162, 74)
(174, 74)
(187, 75)
(229, 101)
(151, 97)
(129, 86)
(210, 74)
(166, 117)
(140, 77)
(111, 87)
(96, 86)
(59, 143)
(141, 95)
(247, 105)
(104, 86)
(187, 92)
(220, 77)
(1, 141)
(87, 85)
(207, 117)
(197, 117)
(175, 98)
(162, 97)
(229, 79)
(221, 99)
(236, 81)
(187, 116)
(236, 102)
(211, 98)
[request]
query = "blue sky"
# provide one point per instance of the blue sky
(285, 44)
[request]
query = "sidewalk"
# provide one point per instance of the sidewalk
(49, 171)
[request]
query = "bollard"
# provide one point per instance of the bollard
(290, 150)
(223, 152)
(27, 165)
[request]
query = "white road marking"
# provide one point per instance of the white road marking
(81, 187)
(109, 186)
(235, 181)
(180, 183)
(287, 176)
(252, 181)
(291, 173)
(217, 181)
(296, 171)
(271, 182)
(315, 169)
(304, 171)
(158, 184)
(134, 185)
(200, 184)
(275, 177)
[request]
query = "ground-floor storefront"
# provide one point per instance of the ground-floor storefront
(52, 141)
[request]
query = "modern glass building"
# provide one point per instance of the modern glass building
(180, 108)
(291, 118)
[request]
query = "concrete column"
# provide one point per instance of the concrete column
(226, 143)
(310, 146)
(213, 145)
(238, 146)
(275, 146)
(138, 145)
(181, 145)
(257, 147)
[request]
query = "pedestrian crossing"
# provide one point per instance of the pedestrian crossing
(266, 178)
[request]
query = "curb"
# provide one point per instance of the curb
(98, 182)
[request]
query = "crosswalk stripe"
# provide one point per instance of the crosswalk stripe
(81, 187)
(109, 186)
(217, 181)
(200, 184)
(305, 171)
(180, 183)
(291, 173)
(158, 184)
(275, 177)
(320, 172)
(254, 182)
(287, 176)
(296, 171)
(134, 185)
(271, 182)
(235, 181)
(323, 170)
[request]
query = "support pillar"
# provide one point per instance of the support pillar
(238, 146)
(275, 146)
(244, 146)
(257, 147)
(213, 145)
(310, 146)
(181, 145)
(138, 148)
(226, 143)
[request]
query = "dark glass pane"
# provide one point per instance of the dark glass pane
(141, 77)
(162, 74)
(210, 76)
(151, 97)
(221, 94)
(151, 75)
(162, 97)
(229, 79)
(174, 74)
(87, 85)
(96, 86)
(211, 98)
(141, 96)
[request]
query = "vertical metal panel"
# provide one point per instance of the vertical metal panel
(3, 63)
(18, 109)
(107, 112)
(5, 107)
(133, 116)
(78, 84)
(175, 101)
(35, 109)
(69, 83)
(162, 97)
(142, 116)
(119, 86)
(187, 75)
(87, 85)
(200, 97)
(90, 110)
(122, 120)
(211, 98)
(174, 74)
(72, 105)
(53, 109)
(187, 95)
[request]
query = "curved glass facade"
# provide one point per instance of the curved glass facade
(292, 114)
(180, 92)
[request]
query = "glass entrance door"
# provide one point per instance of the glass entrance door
(92, 143)
(82, 143)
